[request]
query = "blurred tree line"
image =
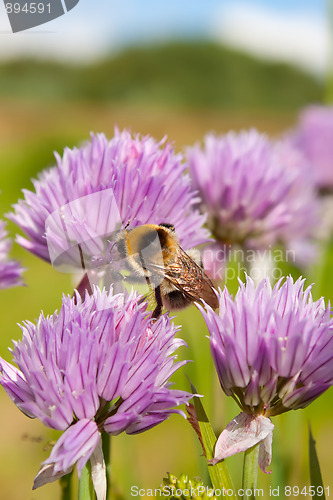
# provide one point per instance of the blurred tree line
(193, 75)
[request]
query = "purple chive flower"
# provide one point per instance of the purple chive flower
(99, 365)
(313, 136)
(96, 189)
(10, 270)
(254, 190)
(273, 352)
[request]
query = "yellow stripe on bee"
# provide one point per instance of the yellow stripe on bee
(128, 243)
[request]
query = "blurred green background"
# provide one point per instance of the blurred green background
(181, 89)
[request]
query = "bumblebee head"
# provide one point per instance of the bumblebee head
(168, 226)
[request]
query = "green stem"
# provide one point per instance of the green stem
(106, 445)
(250, 472)
(218, 473)
(66, 486)
(86, 490)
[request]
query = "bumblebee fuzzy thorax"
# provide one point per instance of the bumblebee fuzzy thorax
(155, 243)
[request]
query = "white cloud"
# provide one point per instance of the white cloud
(299, 38)
(86, 33)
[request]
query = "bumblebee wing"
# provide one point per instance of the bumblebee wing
(187, 277)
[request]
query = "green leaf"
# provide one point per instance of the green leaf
(250, 471)
(315, 474)
(218, 473)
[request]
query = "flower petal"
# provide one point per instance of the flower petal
(10, 270)
(14, 383)
(76, 444)
(256, 191)
(93, 188)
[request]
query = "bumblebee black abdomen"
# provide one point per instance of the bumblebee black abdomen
(176, 300)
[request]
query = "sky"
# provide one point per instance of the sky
(295, 31)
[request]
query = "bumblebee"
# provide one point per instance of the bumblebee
(175, 276)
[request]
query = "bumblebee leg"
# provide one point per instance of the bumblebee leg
(157, 291)
(145, 271)
(159, 304)
(81, 257)
(139, 280)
